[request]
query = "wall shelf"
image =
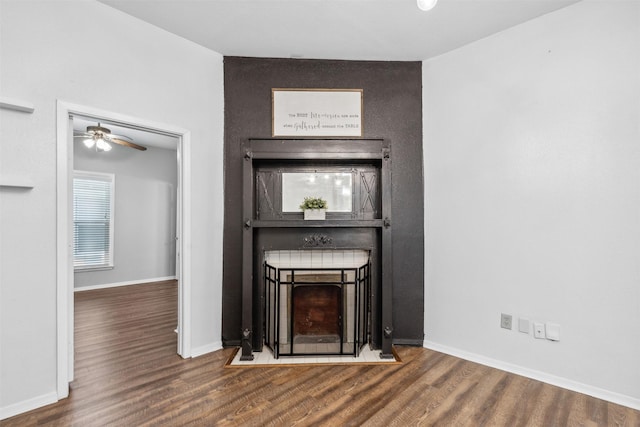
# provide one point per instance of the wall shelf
(16, 182)
(16, 105)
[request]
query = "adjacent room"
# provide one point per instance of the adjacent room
(162, 163)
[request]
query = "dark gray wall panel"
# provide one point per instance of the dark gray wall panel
(392, 110)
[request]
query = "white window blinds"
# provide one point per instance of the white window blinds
(92, 220)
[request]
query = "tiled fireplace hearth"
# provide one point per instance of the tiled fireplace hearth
(323, 287)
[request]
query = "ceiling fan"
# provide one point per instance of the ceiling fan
(100, 137)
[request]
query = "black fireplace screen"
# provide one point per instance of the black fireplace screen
(316, 311)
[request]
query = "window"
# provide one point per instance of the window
(92, 220)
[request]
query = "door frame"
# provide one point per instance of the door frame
(64, 230)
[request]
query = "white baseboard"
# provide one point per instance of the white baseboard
(28, 405)
(127, 283)
(209, 348)
(568, 384)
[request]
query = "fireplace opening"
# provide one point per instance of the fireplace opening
(317, 316)
(317, 310)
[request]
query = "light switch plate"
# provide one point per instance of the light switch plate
(552, 331)
(523, 325)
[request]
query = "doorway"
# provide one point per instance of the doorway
(65, 276)
(128, 237)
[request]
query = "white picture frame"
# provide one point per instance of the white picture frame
(317, 112)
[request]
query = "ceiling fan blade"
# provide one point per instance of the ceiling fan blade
(126, 143)
(83, 135)
(126, 138)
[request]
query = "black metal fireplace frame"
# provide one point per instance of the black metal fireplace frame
(257, 152)
(274, 282)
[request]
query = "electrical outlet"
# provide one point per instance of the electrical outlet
(538, 330)
(505, 321)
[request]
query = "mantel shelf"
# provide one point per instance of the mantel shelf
(329, 223)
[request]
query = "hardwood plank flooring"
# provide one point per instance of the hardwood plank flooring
(128, 374)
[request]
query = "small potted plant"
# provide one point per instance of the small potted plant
(314, 208)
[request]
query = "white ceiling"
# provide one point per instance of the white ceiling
(386, 30)
(391, 30)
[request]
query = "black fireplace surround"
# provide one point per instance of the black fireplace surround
(367, 227)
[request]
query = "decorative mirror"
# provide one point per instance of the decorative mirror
(334, 187)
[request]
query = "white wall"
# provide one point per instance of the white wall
(52, 50)
(144, 213)
(532, 196)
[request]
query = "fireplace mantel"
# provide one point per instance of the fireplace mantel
(370, 229)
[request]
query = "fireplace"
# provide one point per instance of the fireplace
(316, 287)
(316, 311)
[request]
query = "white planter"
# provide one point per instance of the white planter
(315, 214)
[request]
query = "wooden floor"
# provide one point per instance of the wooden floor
(128, 374)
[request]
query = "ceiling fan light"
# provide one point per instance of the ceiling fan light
(102, 145)
(426, 4)
(88, 142)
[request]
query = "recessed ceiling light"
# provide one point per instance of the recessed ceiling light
(426, 4)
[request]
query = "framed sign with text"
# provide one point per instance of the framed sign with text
(316, 112)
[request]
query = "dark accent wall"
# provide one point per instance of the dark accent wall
(392, 110)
